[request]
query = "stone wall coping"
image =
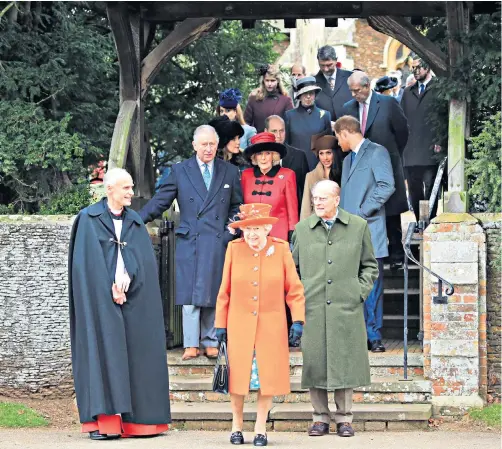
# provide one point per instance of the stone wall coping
(455, 218)
(32, 219)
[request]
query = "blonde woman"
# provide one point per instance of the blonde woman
(270, 98)
(269, 183)
(229, 105)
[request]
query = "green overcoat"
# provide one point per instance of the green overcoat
(337, 269)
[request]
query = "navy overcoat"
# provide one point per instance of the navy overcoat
(202, 236)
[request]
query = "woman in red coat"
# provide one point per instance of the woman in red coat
(267, 182)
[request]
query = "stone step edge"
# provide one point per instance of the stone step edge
(296, 359)
(416, 385)
(299, 412)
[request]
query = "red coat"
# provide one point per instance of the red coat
(277, 188)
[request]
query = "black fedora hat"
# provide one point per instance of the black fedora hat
(226, 129)
(384, 83)
(264, 142)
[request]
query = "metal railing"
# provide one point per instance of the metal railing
(412, 236)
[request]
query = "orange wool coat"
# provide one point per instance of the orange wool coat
(251, 307)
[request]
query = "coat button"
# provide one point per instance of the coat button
(254, 313)
(191, 200)
(223, 200)
(328, 302)
(255, 298)
(330, 261)
(218, 235)
(329, 281)
(256, 254)
(330, 242)
(217, 218)
(255, 269)
(197, 235)
(255, 284)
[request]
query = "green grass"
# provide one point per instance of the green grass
(490, 415)
(18, 415)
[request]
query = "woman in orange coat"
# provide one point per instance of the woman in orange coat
(259, 276)
(270, 183)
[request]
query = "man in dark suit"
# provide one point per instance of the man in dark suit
(209, 193)
(333, 82)
(295, 159)
(419, 162)
(383, 122)
(367, 184)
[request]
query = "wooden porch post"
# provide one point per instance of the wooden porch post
(456, 199)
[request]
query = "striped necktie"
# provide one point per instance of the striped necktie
(329, 223)
(207, 176)
(421, 89)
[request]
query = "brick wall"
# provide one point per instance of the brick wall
(368, 55)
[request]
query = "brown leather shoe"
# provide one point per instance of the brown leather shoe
(344, 429)
(190, 353)
(211, 353)
(318, 429)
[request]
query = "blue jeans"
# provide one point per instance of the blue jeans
(373, 307)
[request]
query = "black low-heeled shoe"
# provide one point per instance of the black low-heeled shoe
(260, 440)
(237, 438)
(96, 436)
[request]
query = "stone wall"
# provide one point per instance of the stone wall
(492, 225)
(34, 325)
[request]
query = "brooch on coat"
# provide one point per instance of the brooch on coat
(270, 251)
(281, 176)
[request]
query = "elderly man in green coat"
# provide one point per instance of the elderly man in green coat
(333, 252)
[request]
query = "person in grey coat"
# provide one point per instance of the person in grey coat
(386, 125)
(367, 184)
(208, 192)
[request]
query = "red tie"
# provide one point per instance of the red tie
(365, 117)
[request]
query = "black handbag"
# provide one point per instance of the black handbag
(221, 371)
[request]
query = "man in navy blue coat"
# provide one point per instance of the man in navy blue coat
(386, 125)
(209, 193)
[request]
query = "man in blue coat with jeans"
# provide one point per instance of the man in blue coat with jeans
(367, 184)
(208, 192)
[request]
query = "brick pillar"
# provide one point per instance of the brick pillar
(455, 333)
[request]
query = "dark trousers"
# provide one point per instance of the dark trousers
(373, 307)
(420, 182)
(395, 236)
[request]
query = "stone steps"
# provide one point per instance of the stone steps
(381, 365)
(382, 390)
(297, 417)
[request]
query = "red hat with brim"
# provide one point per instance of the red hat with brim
(254, 214)
(264, 142)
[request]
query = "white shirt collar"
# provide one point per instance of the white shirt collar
(357, 148)
(201, 164)
(332, 219)
(427, 81)
(332, 76)
(367, 99)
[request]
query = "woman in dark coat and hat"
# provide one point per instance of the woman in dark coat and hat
(307, 119)
(229, 105)
(270, 183)
(385, 84)
(229, 134)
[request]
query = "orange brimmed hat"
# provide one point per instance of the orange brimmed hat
(254, 214)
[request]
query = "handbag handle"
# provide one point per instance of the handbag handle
(222, 353)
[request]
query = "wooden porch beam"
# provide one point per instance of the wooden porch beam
(184, 34)
(403, 31)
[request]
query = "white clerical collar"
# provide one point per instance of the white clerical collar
(356, 149)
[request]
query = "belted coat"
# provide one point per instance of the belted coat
(251, 306)
(277, 188)
(202, 236)
(337, 269)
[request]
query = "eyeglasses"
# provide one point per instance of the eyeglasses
(418, 67)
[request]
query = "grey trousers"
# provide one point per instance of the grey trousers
(343, 402)
(198, 327)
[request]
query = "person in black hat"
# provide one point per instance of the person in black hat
(229, 133)
(385, 84)
(270, 183)
(228, 105)
(307, 119)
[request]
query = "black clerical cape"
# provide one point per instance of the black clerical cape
(118, 352)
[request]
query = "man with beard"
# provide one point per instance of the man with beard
(418, 102)
(116, 323)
